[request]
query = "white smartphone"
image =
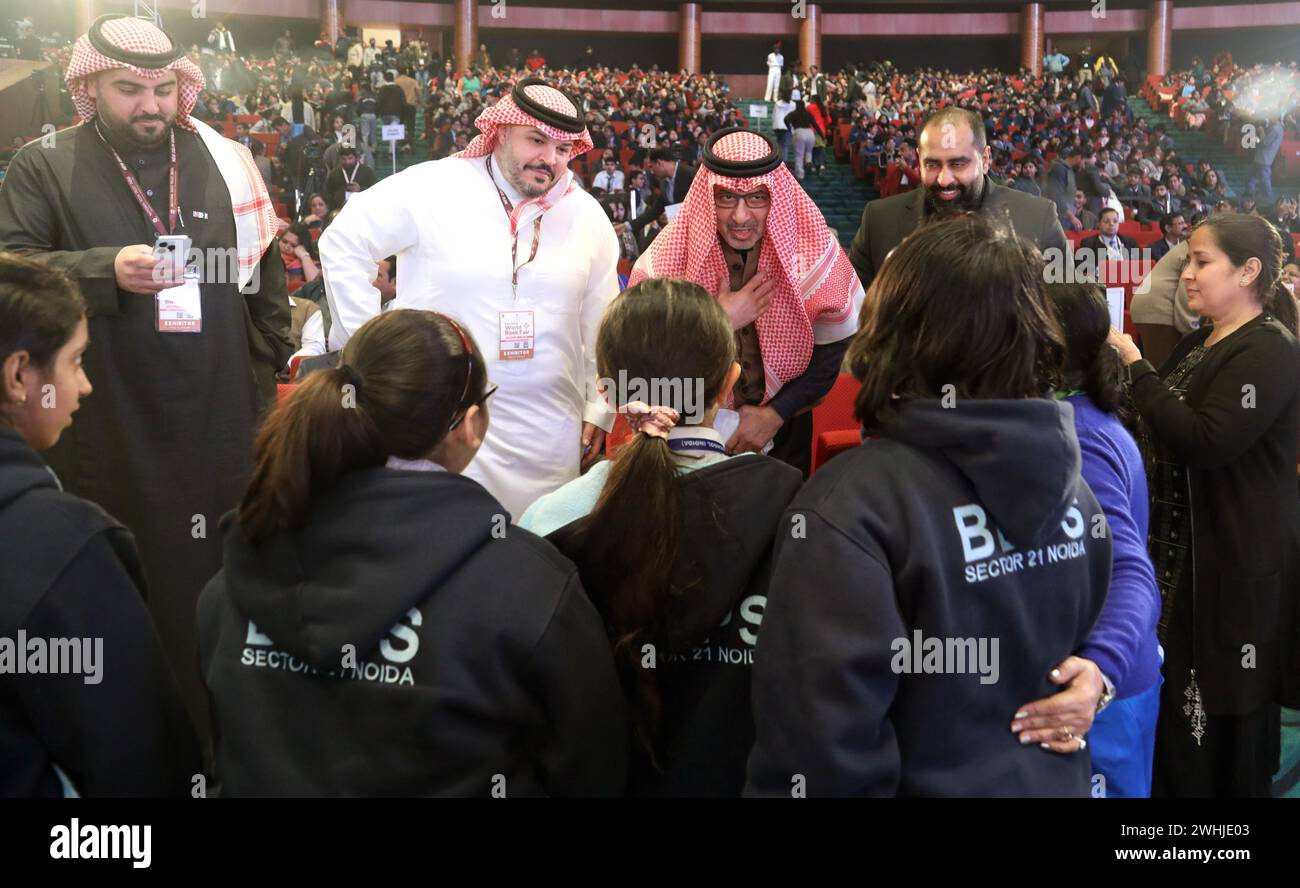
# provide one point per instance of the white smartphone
(173, 250)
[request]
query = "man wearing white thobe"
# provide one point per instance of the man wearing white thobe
(448, 224)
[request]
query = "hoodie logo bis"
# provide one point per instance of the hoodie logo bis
(398, 649)
(981, 550)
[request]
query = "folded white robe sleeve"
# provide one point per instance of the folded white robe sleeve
(375, 224)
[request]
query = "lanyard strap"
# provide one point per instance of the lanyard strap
(677, 445)
(173, 203)
(514, 234)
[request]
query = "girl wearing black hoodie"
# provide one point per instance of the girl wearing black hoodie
(377, 628)
(927, 583)
(674, 541)
(113, 724)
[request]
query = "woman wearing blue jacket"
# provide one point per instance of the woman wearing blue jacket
(1123, 641)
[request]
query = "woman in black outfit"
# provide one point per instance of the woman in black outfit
(1221, 419)
(377, 627)
(114, 725)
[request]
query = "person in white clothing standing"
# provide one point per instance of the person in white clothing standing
(502, 238)
(775, 62)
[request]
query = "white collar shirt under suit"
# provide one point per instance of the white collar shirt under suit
(445, 222)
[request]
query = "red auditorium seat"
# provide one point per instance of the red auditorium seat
(829, 444)
(270, 140)
(282, 391)
(834, 427)
(1147, 237)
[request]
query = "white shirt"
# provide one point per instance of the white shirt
(779, 110)
(445, 222)
(609, 181)
(775, 60)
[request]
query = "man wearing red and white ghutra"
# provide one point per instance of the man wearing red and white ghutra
(751, 236)
(503, 239)
(164, 444)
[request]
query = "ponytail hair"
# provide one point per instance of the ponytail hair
(405, 377)
(658, 332)
(1089, 363)
(1246, 236)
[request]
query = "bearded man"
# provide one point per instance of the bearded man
(182, 361)
(955, 160)
(502, 238)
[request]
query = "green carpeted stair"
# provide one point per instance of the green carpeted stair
(836, 192)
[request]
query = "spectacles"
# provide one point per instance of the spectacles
(755, 200)
(491, 390)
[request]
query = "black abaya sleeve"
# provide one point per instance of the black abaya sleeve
(30, 225)
(269, 316)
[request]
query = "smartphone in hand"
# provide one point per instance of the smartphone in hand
(173, 251)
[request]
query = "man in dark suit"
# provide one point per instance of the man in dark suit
(955, 160)
(1109, 243)
(1161, 204)
(1172, 225)
(674, 175)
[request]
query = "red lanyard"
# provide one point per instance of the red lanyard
(514, 235)
(173, 203)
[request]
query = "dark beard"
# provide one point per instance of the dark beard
(968, 201)
(124, 136)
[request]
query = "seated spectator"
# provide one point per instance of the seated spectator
(1160, 205)
(319, 213)
(645, 532)
(1027, 180)
(1171, 225)
(610, 177)
(1108, 244)
(895, 536)
(471, 662)
(1123, 642)
(1086, 218)
(110, 722)
(298, 251)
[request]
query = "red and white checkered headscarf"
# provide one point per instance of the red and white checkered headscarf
(131, 35)
(507, 113)
(817, 294)
(255, 220)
